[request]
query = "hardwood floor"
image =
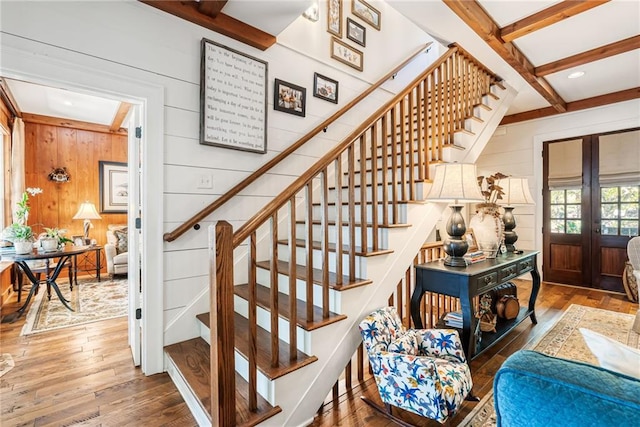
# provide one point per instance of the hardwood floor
(84, 375)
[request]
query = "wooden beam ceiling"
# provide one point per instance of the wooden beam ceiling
(477, 19)
(583, 104)
(546, 17)
(221, 23)
(123, 110)
(601, 52)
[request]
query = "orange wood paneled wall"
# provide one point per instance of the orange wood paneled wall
(48, 147)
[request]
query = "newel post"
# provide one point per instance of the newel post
(223, 383)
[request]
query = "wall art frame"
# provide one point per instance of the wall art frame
(114, 187)
(367, 13)
(233, 99)
(356, 32)
(325, 88)
(334, 17)
(289, 98)
(346, 54)
(470, 237)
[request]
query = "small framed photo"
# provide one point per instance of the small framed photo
(334, 17)
(470, 237)
(289, 98)
(367, 13)
(356, 32)
(78, 240)
(347, 54)
(325, 88)
(114, 187)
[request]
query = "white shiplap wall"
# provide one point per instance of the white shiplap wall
(134, 41)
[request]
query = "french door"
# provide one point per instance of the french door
(591, 197)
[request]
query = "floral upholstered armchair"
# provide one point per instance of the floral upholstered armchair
(419, 370)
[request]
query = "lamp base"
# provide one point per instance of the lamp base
(455, 250)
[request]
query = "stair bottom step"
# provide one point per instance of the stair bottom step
(192, 358)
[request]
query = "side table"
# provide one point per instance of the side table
(88, 263)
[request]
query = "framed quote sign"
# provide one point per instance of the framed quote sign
(233, 99)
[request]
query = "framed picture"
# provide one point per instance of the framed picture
(334, 17)
(347, 54)
(356, 32)
(78, 240)
(233, 99)
(366, 12)
(325, 88)
(114, 187)
(289, 98)
(470, 237)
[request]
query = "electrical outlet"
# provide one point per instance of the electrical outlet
(205, 181)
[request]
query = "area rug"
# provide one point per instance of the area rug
(565, 340)
(91, 300)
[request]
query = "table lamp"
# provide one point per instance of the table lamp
(455, 182)
(87, 212)
(516, 192)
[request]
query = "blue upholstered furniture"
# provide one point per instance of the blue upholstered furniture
(532, 389)
(420, 370)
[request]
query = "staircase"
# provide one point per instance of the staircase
(292, 284)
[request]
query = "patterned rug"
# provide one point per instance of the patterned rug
(92, 301)
(565, 340)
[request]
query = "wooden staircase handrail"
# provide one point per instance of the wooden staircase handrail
(208, 210)
(265, 213)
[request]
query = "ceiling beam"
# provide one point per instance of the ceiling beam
(596, 101)
(68, 123)
(478, 20)
(596, 54)
(211, 7)
(122, 112)
(546, 17)
(222, 23)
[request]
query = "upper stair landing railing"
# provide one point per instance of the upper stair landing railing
(208, 210)
(380, 164)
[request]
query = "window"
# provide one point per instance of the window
(620, 210)
(566, 211)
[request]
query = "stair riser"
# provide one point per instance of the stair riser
(263, 318)
(264, 278)
(359, 265)
(383, 240)
(418, 194)
(402, 212)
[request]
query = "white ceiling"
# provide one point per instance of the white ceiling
(613, 21)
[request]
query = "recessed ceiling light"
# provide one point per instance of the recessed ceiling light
(575, 75)
(67, 103)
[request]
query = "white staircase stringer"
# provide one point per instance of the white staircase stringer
(334, 345)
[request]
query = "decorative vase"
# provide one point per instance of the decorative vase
(49, 244)
(488, 228)
(23, 247)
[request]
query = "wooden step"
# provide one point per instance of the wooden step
(193, 361)
(301, 273)
(263, 361)
(263, 300)
(345, 248)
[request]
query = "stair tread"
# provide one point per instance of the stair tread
(345, 248)
(193, 360)
(357, 224)
(301, 273)
(263, 361)
(263, 301)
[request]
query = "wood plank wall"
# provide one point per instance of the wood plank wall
(48, 147)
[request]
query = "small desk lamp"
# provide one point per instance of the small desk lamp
(87, 212)
(516, 192)
(455, 182)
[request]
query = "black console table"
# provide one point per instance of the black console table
(473, 280)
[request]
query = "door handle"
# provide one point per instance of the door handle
(597, 230)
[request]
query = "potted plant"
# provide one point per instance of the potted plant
(19, 233)
(52, 239)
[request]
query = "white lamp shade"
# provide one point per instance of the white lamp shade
(87, 211)
(516, 191)
(455, 182)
